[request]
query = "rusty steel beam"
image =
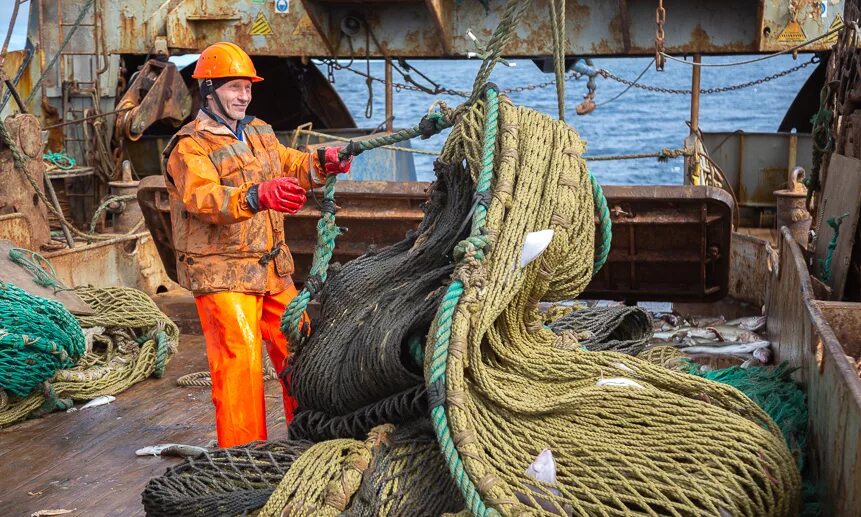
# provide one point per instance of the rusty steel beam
(437, 28)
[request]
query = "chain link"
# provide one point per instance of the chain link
(437, 90)
(706, 91)
(606, 74)
(660, 19)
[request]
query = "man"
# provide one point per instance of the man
(230, 183)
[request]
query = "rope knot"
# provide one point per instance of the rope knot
(473, 246)
(431, 124)
(313, 284)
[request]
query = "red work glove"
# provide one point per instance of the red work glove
(281, 195)
(332, 163)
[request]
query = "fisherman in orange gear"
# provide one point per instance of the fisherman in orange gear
(231, 182)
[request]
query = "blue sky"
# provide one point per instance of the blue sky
(19, 34)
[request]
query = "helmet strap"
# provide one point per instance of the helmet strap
(209, 89)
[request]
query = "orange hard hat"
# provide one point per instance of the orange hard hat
(222, 60)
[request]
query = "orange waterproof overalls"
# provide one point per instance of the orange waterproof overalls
(219, 243)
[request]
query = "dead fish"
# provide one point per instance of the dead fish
(172, 449)
(735, 349)
(752, 323)
(668, 318)
(729, 332)
(543, 469)
(98, 401)
(763, 355)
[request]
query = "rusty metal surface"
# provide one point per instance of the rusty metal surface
(16, 194)
(438, 28)
(158, 93)
(750, 261)
(845, 320)
(15, 228)
(802, 336)
(670, 243)
(130, 261)
(154, 202)
(756, 164)
(375, 213)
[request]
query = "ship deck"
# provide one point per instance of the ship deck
(85, 461)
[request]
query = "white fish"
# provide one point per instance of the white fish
(752, 323)
(619, 382)
(738, 348)
(763, 355)
(98, 401)
(534, 245)
(171, 449)
(46, 513)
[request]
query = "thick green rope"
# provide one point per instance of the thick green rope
(38, 336)
(33, 263)
(834, 223)
(823, 141)
(606, 224)
(60, 160)
(436, 380)
(328, 231)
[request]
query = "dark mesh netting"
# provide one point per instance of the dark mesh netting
(356, 370)
(407, 477)
(222, 482)
(608, 329)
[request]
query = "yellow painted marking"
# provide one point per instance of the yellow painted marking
(305, 26)
(792, 33)
(836, 24)
(261, 26)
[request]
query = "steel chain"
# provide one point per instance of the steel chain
(706, 91)
(606, 74)
(660, 19)
(447, 91)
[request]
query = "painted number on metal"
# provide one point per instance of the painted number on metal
(261, 26)
(282, 6)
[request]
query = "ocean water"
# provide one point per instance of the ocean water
(637, 122)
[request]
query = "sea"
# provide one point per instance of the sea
(638, 121)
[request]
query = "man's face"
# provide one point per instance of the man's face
(235, 97)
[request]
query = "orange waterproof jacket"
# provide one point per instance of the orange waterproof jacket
(219, 241)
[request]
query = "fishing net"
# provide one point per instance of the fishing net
(407, 476)
(772, 389)
(667, 356)
(356, 371)
(395, 471)
(128, 339)
(625, 330)
(38, 336)
(223, 481)
(629, 437)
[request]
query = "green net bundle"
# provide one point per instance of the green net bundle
(38, 336)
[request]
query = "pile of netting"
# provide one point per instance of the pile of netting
(494, 380)
(50, 358)
(433, 381)
(628, 437)
(222, 482)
